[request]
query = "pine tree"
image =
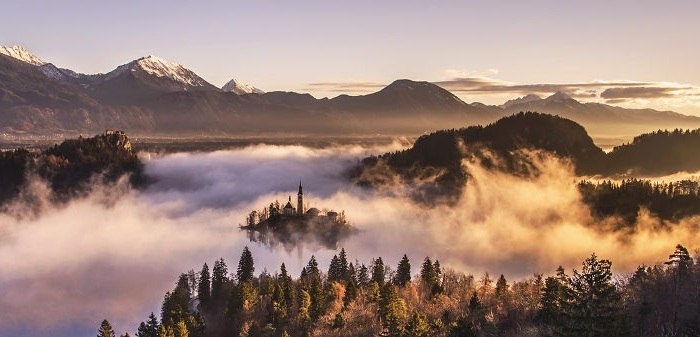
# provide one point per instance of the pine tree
(287, 287)
(149, 328)
(501, 287)
(594, 309)
(105, 330)
(219, 278)
(344, 266)
(403, 272)
(246, 267)
(417, 326)
(335, 272)
(378, 271)
(363, 278)
(427, 273)
(392, 311)
(204, 287)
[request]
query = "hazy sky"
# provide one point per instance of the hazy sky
(329, 47)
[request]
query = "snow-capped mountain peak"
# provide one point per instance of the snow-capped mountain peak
(162, 68)
(22, 54)
(558, 96)
(520, 100)
(240, 88)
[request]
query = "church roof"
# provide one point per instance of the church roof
(288, 205)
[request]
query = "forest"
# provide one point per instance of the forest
(428, 299)
(514, 145)
(671, 201)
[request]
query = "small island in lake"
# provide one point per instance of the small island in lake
(291, 226)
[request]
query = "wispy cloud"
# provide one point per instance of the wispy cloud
(346, 87)
(640, 92)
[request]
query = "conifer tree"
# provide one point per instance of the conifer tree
(204, 287)
(105, 330)
(149, 328)
(219, 278)
(287, 287)
(501, 287)
(594, 308)
(403, 272)
(427, 273)
(335, 272)
(417, 326)
(378, 271)
(246, 267)
(343, 264)
(363, 278)
(392, 311)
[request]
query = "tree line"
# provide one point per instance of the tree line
(669, 201)
(355, 299)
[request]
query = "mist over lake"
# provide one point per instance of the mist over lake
(116, 251)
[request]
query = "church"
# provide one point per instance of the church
(290, 211)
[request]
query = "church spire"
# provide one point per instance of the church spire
(300, 201)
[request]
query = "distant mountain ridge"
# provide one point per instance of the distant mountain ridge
(153, 96)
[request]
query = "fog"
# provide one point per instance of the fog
(115, 253)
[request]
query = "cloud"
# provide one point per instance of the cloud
(639, 92)
(345, 87)
(79, 263)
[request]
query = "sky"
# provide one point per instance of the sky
(646, 51)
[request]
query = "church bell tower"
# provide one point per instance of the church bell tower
(300, 201)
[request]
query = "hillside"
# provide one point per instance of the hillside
(434, 163)
(499, 145)
(71, 168)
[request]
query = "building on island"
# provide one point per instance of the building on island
(290, 211)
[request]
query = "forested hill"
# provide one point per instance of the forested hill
(660, 152)
(70, 168)
(504, 145)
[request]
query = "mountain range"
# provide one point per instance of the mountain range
(152, 96)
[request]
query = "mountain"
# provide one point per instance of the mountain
(146, 78)
(410, 105)
(240, 88)
(602, 119)
(521, 100)
(152, 96)
(22, 54)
